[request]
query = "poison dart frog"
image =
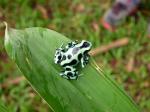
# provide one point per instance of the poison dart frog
(73, 54)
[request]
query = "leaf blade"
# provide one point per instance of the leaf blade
(33, 50)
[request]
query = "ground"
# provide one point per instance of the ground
(129, 65)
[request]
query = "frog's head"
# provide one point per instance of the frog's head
(58, 55)
(85, 45)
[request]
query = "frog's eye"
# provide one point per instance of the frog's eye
(86, 44)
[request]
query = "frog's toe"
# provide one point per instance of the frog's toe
(74, 78)
(72, 75)
(61, 74)
(80, 75)
(76, 72)
(66, 77)
(86, 62)
(82, 65)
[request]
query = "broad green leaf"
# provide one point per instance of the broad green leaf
(33, 51)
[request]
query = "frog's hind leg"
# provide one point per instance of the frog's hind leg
(64, 74)
(70, 73)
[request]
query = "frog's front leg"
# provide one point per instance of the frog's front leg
(84, 60)
(71, 44)
(69, 73)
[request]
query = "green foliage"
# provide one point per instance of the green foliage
(33, 51)
(3, 108)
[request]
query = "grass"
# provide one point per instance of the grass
(75, 19)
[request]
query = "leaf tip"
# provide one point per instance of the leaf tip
(7, 42)
(6, 32)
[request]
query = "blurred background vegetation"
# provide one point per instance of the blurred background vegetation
(129, 65)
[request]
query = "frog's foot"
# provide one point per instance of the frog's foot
(82, 63)
(80, 75)
(69, 73)
(62, 74)
(86, 57)
(73, 77)
(84, 60)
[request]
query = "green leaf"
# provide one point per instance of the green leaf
(2, 107)
(33, 51)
